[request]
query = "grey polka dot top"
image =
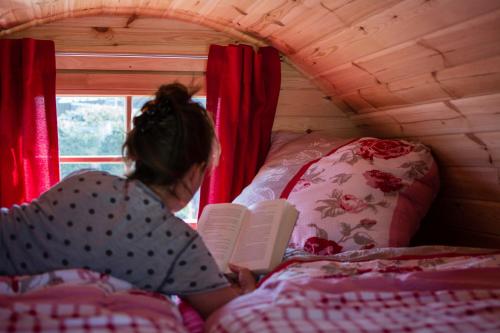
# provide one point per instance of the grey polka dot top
(111, 225)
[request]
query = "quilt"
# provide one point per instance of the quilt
(422, 289)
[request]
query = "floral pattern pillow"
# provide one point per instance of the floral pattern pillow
(362, 194)
(288, 153)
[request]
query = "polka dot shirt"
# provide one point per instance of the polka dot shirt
(111, 225)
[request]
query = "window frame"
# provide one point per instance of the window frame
(68, 159)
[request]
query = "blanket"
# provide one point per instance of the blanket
(423, 289)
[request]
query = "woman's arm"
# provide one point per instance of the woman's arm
(206, 303)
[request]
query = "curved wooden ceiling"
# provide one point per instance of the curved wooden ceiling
(366, 55)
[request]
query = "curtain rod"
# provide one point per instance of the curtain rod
(130, 55)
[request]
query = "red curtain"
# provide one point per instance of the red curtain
(28, 120)
(242, 94)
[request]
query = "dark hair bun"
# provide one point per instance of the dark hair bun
(171, 134)
(174, 93)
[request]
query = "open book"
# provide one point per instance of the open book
(255, 237)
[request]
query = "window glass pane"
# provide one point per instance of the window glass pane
(113, 168)
(138, 102)
(201, 100)
(91, 126)
(190, 212)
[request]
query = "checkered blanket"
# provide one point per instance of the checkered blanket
(82, 301)
(427, 289)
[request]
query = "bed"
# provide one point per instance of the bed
(421, 289)
(348, 267)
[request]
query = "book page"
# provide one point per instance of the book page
(255, 242)
(219, 227)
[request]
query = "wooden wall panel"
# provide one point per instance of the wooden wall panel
(461, 222)
(469, 150)
(130, 64)
(480, 183)
(120, 83)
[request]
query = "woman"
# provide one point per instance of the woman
(125, 226)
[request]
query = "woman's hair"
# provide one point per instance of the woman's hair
(171, 134)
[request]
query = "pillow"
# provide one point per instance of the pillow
(289, 152)
(351, 194)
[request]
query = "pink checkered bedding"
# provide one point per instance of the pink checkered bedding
(82, 301)
(423, 289)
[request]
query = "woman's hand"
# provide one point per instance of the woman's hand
(206, 303)
(245, 280)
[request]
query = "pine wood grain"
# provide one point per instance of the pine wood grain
(461, 222)
(477, 183)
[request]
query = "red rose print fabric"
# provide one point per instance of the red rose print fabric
(386, 149)
(368, 193)
(351, 194)
(384, 181)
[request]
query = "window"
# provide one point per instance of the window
(92, 130)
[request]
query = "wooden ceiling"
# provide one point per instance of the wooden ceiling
(367, 55)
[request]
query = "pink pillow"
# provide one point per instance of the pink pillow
(361, 194)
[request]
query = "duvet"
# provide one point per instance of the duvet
(421, 289)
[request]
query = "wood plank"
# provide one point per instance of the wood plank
(491, 142)
(465, 42)
(476, 78)
(461, 222)
(472, 79)
(224, 9)
(129, 21)
(288, 70)
(437, 234)
(297, 83)
(307, 102)
(476, 215)
(401, 23)
(291, 78)
(468, 149)
(111, 21)
(298, 27)
(379, 125)
(468, 115)
(322, 19)
(263, 17)
(130, 64)
(478, 105)
(123, 83)
(336, 125)
(118, 39)
(477, 183)
(426, 119)
(350, 77)
(355, 100)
